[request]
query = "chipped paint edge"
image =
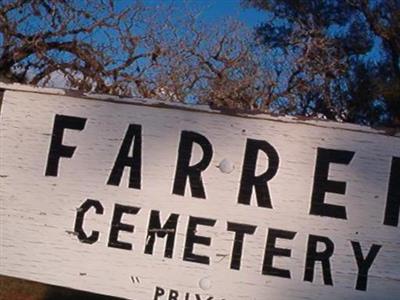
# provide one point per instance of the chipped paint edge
(16, 87)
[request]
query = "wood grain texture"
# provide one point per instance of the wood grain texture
(38, 212)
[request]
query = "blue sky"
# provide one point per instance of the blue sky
(213, 11)
(230, 8)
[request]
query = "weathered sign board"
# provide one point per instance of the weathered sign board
(140, 200)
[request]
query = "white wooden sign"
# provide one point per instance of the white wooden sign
(139, 200)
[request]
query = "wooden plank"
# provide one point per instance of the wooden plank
(20, 289)
(43, 202)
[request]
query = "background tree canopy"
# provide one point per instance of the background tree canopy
(343, 56)
(335, 59)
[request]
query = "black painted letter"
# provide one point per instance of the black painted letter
(183, 170)
(271, 251)
(169, 230)
(192, 239)
(249, 179)
(364, 264)
(117, 226)
(173, 295)
(392, 209)
(80, 215)
(240, 230)
(159, 292)
(125, 160)
(313, 256)
(57, 149)
(322, 185)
